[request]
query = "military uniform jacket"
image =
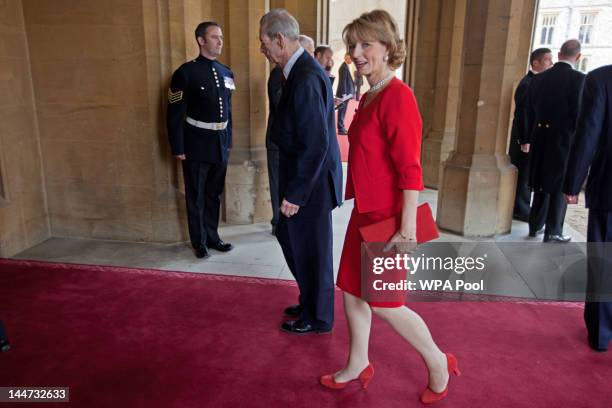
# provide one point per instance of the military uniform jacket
(201, 90)
(553, 102)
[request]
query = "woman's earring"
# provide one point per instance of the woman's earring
(386, 58)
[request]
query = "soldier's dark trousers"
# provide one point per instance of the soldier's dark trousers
(204, 184)
(598, 306)
(547, 209)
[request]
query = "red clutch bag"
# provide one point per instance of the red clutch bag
(382, 231)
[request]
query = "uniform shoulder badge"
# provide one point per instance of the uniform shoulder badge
(174, 97)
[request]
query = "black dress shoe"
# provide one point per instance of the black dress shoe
(293, 311)
(221, 246)
(300, 327)
(4, 346)
(202, 252)
(562, 239)
(538, 232)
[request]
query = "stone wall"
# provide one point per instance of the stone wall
(23, 215)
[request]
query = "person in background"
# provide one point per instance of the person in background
(553, 103)
(346, 86)
(307, 43)
(325, 57)
(539, 60)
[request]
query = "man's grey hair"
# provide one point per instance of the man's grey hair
(307, 43)
(280, 21)
(570, 48)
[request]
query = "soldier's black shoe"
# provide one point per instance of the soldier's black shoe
(221, 246)
(300, 327)
(202, 252)
(293, 311)
(562, 239)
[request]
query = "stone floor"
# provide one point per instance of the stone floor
(256, 252)
(577, 216)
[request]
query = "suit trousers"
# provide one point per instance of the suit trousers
(306, 242)
(547, 209)
(341, 114)
(204, 183)
(522, 199)
(273, 163)
(598, 305)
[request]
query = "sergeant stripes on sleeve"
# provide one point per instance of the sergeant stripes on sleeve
(174, 97)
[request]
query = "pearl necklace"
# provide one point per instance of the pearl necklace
(380, 84)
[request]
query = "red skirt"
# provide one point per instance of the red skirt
(349, 272)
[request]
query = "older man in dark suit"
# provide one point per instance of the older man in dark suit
(539, 61)
(593, 149)
(310, 173)
(553, 100)
(275, 82)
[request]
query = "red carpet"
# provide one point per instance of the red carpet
(343, 139)
(141, 338)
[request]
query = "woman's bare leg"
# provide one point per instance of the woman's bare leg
(413, 329)
(359, 319)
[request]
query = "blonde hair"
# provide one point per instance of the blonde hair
(377, 25)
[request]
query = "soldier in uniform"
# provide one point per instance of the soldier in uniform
(200, 133)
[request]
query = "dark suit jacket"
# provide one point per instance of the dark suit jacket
(274, 93)
(346, 85)
(520, 122)
(593, 145)
(553, 101)
(304, 129)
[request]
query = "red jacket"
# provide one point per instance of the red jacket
(385, 149)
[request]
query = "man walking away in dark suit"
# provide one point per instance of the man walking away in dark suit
(346, 86)
(539, 60)
(553, 100)
(310, 173)
(593, 149)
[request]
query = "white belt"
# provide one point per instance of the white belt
(206, 125)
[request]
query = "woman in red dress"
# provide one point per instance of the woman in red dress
(384, 178)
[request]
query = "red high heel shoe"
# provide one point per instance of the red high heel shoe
(364, 377)
(429, 397)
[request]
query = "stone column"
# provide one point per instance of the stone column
(440, 136)
(247, 194)
(478, 181)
